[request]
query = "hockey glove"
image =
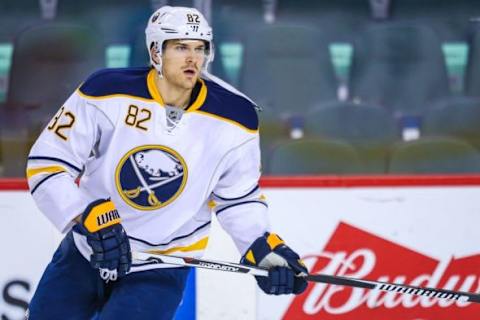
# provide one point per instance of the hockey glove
(101, 224)
(286, 270)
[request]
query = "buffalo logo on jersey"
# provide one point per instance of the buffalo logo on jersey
(150, 177)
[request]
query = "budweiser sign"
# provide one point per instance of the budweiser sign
(352, 252)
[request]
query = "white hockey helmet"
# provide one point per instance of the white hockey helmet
(169, 23)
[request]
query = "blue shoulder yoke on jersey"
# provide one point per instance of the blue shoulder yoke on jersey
(226, 104)
(128, 81)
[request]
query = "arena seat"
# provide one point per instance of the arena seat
(434, 155)
(115, 21)
(49, 61)
(399, 66)
(139, 54)
(313, 156)
(339, 20)
(16, 15)
(272, 131)
(459, 117)
(370, 129)
(450, 19)
(287, 68)
(472, 82)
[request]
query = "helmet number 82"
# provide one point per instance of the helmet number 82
(193, 18)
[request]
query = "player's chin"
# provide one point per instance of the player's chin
(189, 82)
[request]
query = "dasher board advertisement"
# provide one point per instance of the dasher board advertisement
(27, 242)
(423, 233)
(421, 236)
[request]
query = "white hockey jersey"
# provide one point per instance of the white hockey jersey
(166, 170)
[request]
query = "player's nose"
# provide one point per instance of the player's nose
(189, 58)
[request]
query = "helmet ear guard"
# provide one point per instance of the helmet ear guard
(168, 23)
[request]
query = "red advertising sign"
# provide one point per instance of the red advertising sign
(353, 252)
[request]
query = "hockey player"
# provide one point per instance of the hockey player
(157, 149)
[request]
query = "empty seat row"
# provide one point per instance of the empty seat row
(341, 19)
(434, 155)
(65, 54)
(288, 68)
(113, 20)
(372, 130)
(398, 66)
(49, 61)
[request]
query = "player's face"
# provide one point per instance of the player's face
(182, 62)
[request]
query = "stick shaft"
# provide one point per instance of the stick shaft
(199, 263)
(319, 278)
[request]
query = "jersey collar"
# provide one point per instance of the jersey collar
(196, 103)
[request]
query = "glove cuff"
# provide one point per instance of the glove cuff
(100, 214)
(261, 247)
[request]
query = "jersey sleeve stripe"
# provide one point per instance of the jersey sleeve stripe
(240, 203)
(238, 198)
(43, 180)
(56, 160)
(50, 169)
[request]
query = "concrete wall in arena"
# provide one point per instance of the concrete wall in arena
(416, 233)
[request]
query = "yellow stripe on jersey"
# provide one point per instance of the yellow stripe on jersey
(202, 95)
(208, 114)
(199, 245)
(152, 87)
(116, 95)
(50, 169)
(212, 204)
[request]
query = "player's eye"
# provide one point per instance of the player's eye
(181, 48)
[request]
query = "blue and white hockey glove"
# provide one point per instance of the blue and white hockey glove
(286, 270)
(101, 224)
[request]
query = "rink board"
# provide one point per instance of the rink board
(420, 234)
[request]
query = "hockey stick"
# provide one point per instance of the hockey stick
(321, 278)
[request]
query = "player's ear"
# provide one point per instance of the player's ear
(154, 53)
